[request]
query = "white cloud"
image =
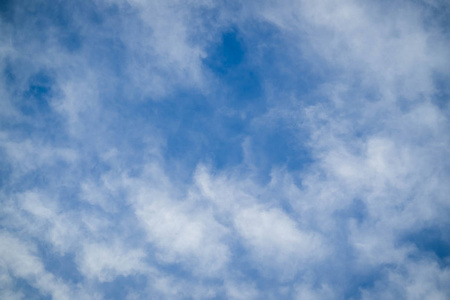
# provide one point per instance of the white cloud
(21, 261)
(182, 230)
(386, 47)
(306, 292)
(42, 217)
(30, 155)
(105, 262)
(241, 290)
(418, 280)
(274, 240)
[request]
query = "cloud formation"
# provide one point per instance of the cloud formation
(224, 150)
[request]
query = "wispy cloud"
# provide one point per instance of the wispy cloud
(226, 150)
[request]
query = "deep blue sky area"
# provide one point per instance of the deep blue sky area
(224, 150)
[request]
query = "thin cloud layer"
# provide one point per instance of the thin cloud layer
(224, 150)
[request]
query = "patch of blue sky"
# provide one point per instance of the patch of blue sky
(433, 242)
(233, 63)
(61, 265)
(29, 292)
(122, 287)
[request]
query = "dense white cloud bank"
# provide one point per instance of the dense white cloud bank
(224, 150)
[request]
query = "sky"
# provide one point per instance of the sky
(200, 149)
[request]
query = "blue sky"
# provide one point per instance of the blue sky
(224, 149)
